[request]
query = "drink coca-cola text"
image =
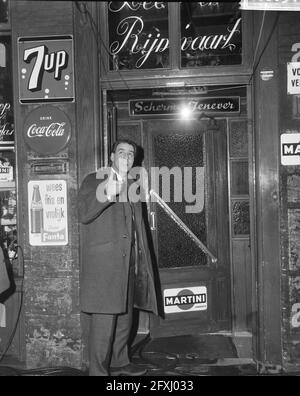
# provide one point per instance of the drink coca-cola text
(54, 129)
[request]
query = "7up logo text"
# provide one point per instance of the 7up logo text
(46, 69)
(44, 61)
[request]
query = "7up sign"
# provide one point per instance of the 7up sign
(46, 69)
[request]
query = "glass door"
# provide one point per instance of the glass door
(187, 164)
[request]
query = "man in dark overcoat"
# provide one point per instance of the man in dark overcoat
(117, 272)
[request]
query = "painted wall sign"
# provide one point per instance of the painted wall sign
(6, 170)
(47, 209)
(47, 130)
(270, 5)
(139, 35)
(173, 106)
(293, 77)
(46, 69)
(186, 299)
(290, 148)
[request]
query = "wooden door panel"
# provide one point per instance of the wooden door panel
(212, 226)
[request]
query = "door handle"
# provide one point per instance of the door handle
(152, 221)
(183, 226)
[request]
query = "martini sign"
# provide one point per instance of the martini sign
(185, 299)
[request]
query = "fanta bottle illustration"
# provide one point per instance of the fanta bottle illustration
(36, 209)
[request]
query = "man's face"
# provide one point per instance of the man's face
(123, 158)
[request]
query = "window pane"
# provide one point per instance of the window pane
(175, 248)
(241, 218)
(239, 178)
(3, 11)
(138, 35)
(211, 34)
(238, 138)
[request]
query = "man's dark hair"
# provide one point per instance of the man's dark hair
(128, 141)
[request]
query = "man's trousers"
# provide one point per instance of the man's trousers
(109, 334)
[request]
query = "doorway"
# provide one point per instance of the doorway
(189, 166)
(191, 161)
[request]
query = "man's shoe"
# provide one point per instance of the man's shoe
(130, 369)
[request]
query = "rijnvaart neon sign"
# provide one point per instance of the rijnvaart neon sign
(130, 30)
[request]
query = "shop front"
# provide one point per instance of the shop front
(201, 88)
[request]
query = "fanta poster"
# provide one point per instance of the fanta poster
(47, 208)
(46, 69)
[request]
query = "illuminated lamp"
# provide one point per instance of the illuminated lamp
(185, 112)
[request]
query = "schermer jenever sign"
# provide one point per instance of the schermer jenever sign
(208, 105)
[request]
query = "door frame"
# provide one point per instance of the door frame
(248, 84)
(217, 148)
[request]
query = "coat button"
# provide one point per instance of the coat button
(124, 254)
(125, 236)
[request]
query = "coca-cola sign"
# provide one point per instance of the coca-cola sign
(47, 130)
(54, 129)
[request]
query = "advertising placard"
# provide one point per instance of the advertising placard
(6, 168)
(47, 130)
(185, 299)
(290, 148)
(293, 78)
(47, 209)
(173, 106)
(46, 69)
